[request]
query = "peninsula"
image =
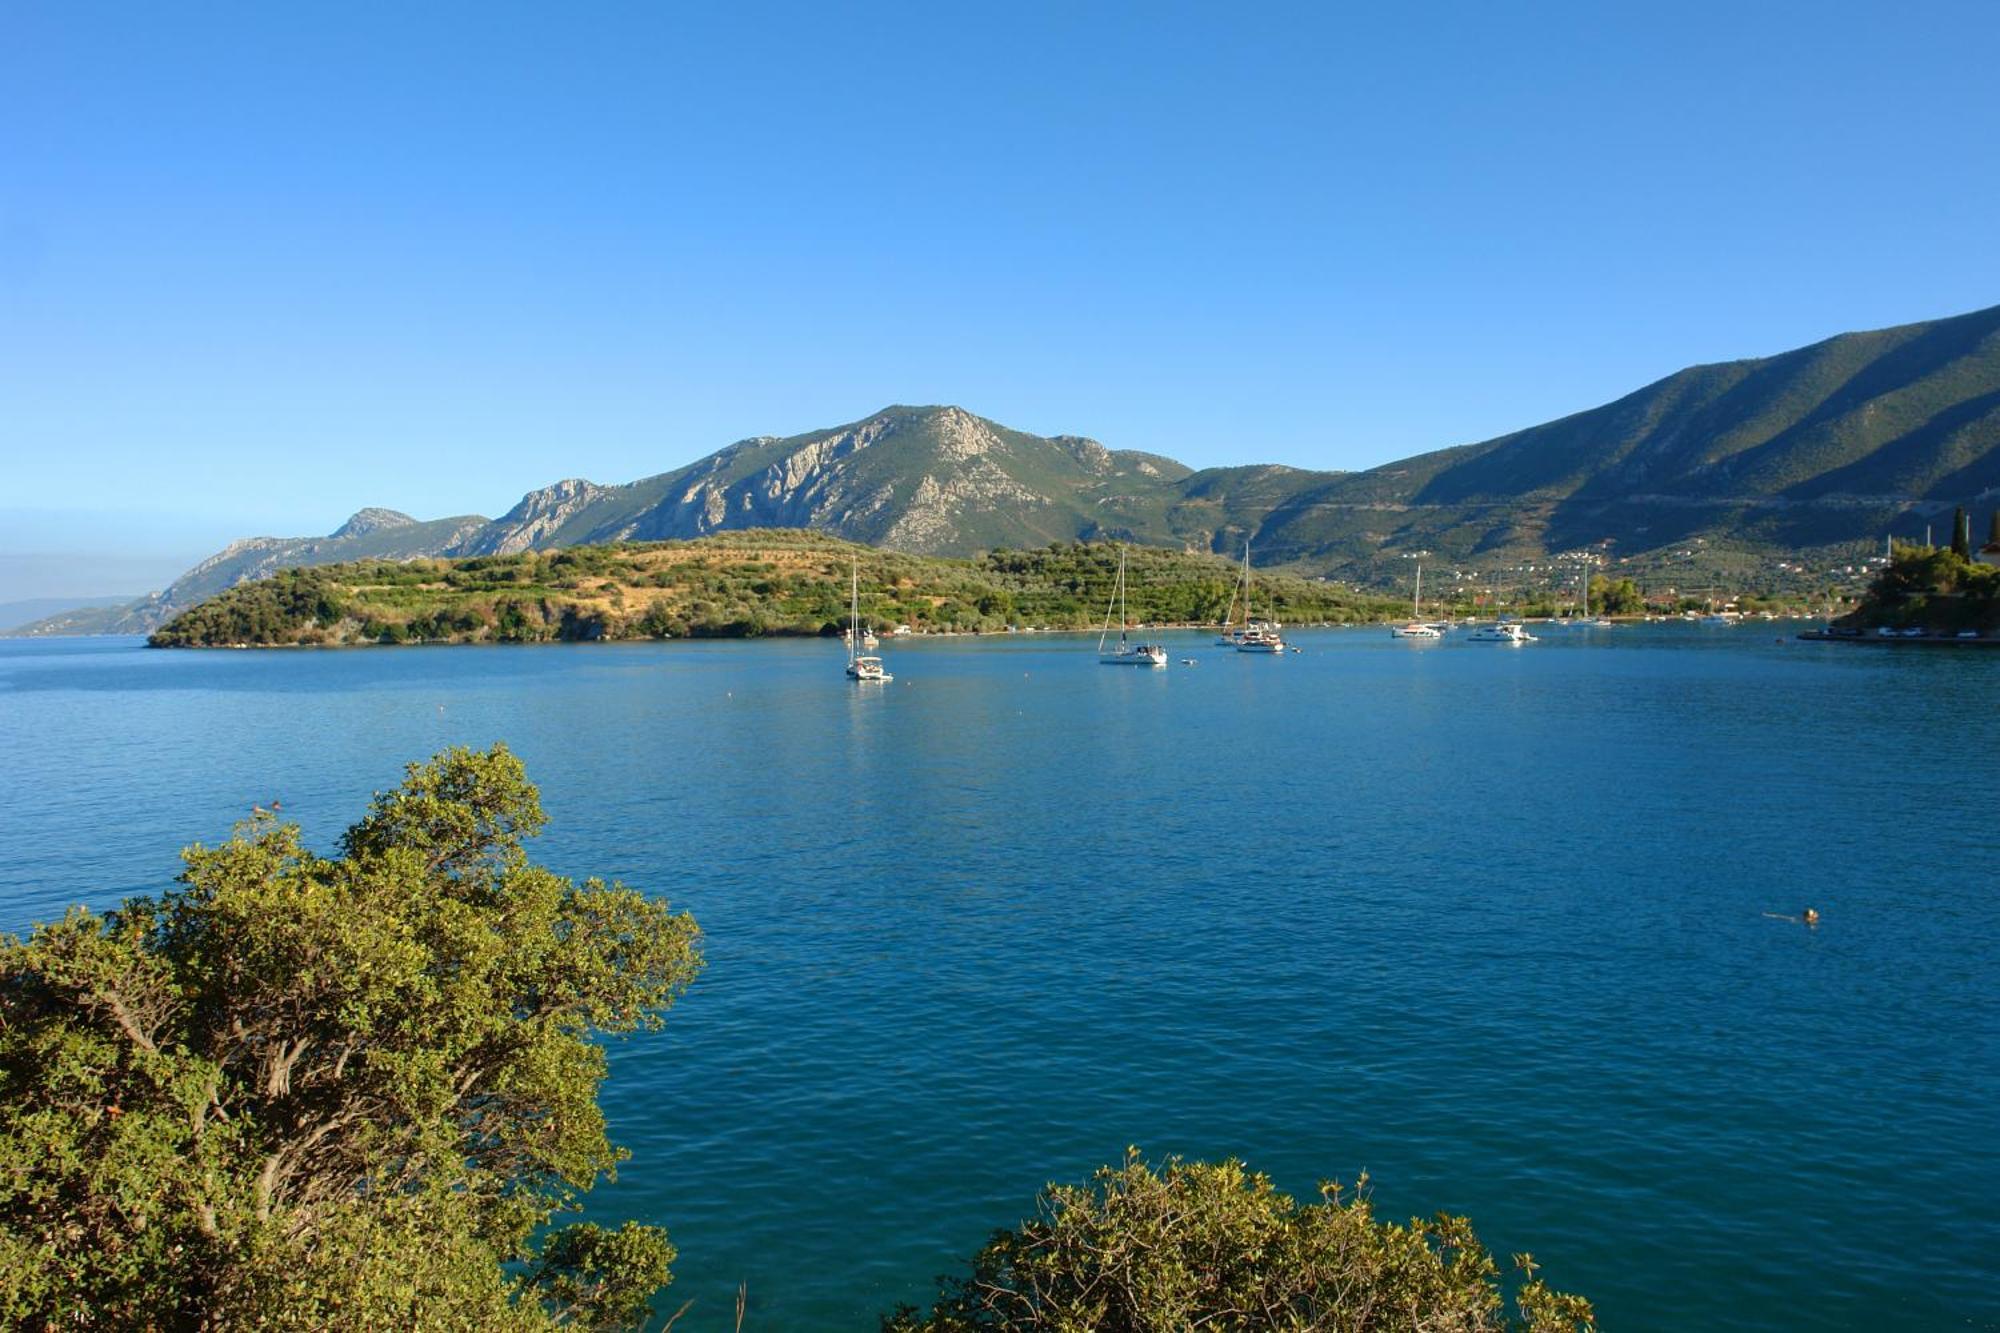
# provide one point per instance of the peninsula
(732, 585)
(1930, 595)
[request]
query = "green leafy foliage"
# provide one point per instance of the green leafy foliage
(1932, 587)
(302, 1092)
(1616, 597)
(1213, 1246)
(735, 585)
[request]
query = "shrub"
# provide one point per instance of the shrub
(1215, 1247)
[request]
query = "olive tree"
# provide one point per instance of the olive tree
(299, 1091)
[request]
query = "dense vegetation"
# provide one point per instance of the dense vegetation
(733, 585)
(300, 1092)
(1194, 1245)
(1934, 588)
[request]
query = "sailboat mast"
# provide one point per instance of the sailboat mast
(1247, 617)
(1417, 598)
(1123, 618)
(1105, 633)
(854, 613)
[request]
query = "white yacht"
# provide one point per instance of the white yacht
(1417, 628)
(1256, 636)
(1260, 636)
(1507, 631)
(1126, 653)
(860, 668)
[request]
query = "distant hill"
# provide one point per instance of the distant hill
(379, 534)
(1831, 444)
(15, 614)
(733, 585)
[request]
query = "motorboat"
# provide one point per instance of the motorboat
(1506, 631)
(1260, 637)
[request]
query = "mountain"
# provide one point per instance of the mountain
(930, 480)
(1831, 443)
(1827, 445)
(371, 534)
(29, 610)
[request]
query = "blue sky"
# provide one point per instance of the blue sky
(261, 265)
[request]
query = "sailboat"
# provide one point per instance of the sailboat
(1256, 636)
(1417, 629)
(1229, 638)
(859, 667)
(1127, 653)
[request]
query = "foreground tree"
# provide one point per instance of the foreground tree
(300, 1092)
(1194, 1245)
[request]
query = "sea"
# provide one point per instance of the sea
(1516, 930)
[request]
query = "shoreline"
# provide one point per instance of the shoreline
(1899, 640)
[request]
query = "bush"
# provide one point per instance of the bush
(1215, 1247)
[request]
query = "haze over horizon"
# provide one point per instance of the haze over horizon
(259, 269)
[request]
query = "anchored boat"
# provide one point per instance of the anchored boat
(859, 667)
(1126, 653)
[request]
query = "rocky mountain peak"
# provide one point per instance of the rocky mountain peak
(1086, 451)
(364, 521)
(539, 515)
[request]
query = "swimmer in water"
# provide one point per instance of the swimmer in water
(1811, 917)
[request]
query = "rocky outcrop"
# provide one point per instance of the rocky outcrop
(365, 521)
(536, 519)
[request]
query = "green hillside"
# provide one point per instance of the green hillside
(741, 584)
(1837, 442)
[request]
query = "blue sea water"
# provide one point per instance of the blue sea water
(1488, 922)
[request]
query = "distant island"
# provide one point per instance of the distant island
(734, 585)
(1777, 476)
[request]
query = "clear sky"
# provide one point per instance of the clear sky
(263, 264)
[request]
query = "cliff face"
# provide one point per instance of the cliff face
(535, 521)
